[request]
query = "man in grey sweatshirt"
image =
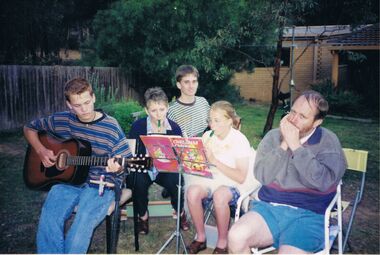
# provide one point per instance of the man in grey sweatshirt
(299, 165)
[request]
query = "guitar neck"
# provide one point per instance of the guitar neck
(91, 161)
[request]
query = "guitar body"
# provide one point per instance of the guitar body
(38, 177)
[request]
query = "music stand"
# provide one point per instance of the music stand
(177, 233)
(176, 152)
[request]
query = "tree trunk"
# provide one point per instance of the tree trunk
(275, 84)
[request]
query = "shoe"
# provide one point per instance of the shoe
(196, 247)
(143, 226)
(165, 193)
(174, 214)
(183, 221)
(218, 250)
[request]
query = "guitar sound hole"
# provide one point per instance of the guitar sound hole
(62, 159)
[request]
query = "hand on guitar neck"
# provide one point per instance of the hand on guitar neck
(113, 166)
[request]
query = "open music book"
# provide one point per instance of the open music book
(164, 150)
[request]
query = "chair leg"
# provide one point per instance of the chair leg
(112, 230)
(351, 220)
(135, 225)
(108, 233)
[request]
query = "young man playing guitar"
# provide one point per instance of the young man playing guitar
(106, 138)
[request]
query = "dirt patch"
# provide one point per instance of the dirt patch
(11, 149)
(20, 210)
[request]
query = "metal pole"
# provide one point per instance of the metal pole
(177, 233)
(291, 83)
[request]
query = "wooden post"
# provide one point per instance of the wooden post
(315, 60)
(335, 68)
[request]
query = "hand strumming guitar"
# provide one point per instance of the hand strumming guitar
(47, 156)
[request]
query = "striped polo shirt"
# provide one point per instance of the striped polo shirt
(105, 135)
(192, 118)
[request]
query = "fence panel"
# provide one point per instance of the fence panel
(28, 92)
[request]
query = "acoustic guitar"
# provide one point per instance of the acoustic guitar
(72, 165)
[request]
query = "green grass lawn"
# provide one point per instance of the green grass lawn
(20, 207)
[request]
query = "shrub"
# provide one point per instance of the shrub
(343, 102)
(122, 111)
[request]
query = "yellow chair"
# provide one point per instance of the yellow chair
(356, 161)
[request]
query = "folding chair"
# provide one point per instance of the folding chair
(113, 218)
(356, 161)
(333, 225)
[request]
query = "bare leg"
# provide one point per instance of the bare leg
(221, 197)
(250, 230)
(195, 194)
(287, 249)
(145, 217)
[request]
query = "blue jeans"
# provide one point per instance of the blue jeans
(59, 206)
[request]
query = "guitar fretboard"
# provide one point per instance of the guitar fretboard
(89, 161)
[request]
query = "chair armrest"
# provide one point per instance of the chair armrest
(244, 198)
(336, 200)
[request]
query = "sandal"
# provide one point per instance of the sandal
(184, 223)
(196, 247)
(218, 250)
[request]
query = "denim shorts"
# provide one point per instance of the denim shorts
(235, 196)
(292, 226)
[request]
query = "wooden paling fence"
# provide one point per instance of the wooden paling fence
(27, 92)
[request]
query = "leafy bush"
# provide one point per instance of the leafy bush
(343, 102)
(122, 111)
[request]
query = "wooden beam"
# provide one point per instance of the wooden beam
(335, 68)
(354, 47)
(315, 61)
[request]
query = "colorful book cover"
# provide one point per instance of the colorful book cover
(192, 154)
(190, 151)
(160, 149)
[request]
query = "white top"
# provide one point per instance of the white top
(233, 147)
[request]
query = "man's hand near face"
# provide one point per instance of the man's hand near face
(290, 135)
